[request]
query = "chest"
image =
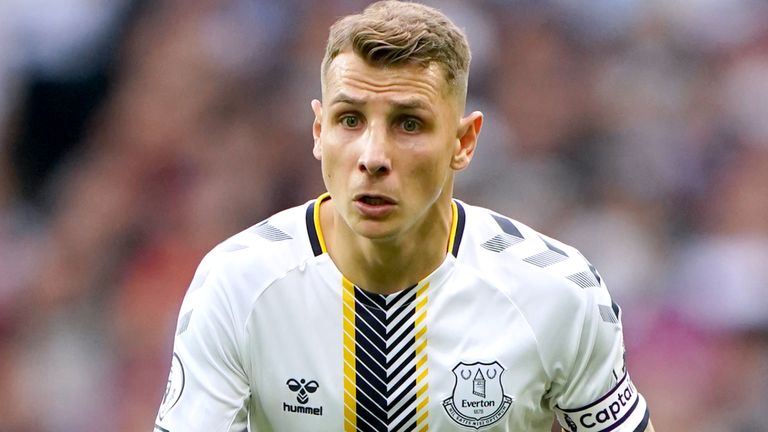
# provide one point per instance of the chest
(443, 357)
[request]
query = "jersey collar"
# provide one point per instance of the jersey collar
(317, 241)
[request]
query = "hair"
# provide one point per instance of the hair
(395, 33)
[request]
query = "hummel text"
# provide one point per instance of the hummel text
(302, 409)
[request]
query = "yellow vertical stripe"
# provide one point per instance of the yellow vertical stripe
(420, 343)
(421, 378)
(422, 419)
(420, 305)
(350, 384)
(423, 359)
(421, 390)
(454, 224)
(420, 333)
(316, 217)
(422, 405)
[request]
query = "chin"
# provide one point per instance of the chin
(375, 230)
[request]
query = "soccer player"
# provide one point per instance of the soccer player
(386, 304)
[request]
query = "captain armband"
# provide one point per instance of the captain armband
(621, 409)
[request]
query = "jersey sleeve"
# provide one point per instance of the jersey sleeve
(207, 387)
(598, 394)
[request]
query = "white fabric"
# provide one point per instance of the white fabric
(264, 313)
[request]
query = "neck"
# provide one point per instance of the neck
(385, 266)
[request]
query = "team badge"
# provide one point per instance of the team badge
(173, 388)
(478, 398)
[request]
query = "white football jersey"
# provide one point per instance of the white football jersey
(512, 329)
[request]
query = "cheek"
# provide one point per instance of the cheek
(326, 167)
(429, 174)
(339, 155)
(334, 160)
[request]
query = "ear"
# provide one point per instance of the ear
(317, 108)
(469, 129)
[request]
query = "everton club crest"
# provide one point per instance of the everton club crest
(478, 398)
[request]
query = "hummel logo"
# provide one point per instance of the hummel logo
(303, 387)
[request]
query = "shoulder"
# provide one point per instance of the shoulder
(243, 265)
(552, 285)
(500, 246)
(282, 235)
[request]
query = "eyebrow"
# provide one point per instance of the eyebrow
(407, 103)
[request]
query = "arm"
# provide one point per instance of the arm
(595, 391)
(208, 388)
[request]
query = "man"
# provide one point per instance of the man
(385, 304)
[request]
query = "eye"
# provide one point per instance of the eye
(350, 121)
(410, 125)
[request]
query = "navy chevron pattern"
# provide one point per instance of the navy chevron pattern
(385, 360)
(584, 279)
(552, 255)
(510, 235)
(271, 233)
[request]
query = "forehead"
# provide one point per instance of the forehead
(348, 74)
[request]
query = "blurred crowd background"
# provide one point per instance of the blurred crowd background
(135, 135)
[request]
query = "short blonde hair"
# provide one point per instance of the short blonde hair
(392, 33)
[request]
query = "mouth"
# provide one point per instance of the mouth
(374, 206)
(374, 200)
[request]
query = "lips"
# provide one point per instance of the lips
(374, 205)
(371, 199)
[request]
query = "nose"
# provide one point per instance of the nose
(374, 158)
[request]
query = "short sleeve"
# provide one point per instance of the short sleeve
(598, 394)
(207, 387)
